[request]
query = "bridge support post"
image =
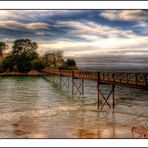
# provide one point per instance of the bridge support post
(64, 83)
(53, 77)
(113, 95)
(83, 87)
(112, 92)
(98, 90)
(72, 83)
(60, 79)
(68, 83)
(77, 88)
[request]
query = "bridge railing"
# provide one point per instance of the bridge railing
(136, 79)
(123, 78)
(85, 75)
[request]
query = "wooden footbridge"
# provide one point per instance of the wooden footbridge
(126, 79)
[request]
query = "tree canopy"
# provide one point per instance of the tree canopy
(37, 64)
(3, 46)
(24, 51)
(71, 62)
(8, 64)
(24, 47)
(24, 57)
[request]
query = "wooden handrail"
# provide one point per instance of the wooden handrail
(134, 80)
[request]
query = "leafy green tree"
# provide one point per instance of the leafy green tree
(24, 51)
(3, 46)
(71, 62)
(37, 64)
(24, 47)
(1, 68)
(8, 64)
(23, 64)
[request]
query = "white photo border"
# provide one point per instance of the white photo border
(73, 5)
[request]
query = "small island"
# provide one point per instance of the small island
(25, 60)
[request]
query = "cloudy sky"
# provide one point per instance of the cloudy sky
(95, 38)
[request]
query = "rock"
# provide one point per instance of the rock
(140, 132)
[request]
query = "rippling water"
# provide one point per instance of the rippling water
(32, 107)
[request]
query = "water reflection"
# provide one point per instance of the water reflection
(32, 108)
(104, 133)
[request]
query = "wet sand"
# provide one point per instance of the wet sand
(45, 125)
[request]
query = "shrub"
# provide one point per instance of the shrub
(8, 63)
(37, 64)
(70, 63)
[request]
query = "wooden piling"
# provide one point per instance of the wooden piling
(53, 76)
(98, 89)
(68, 83)
(83, 87)
(113, 94)
(60, 80)
(72, 83)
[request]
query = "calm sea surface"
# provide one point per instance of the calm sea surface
(33, 107)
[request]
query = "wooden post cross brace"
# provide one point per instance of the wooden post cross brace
(65, 83)
(107, 98)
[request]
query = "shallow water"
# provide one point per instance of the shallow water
(32, 107)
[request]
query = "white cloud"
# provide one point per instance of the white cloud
(34, 14)
(4, 13)
(40, 33)
(37, 25)
(14, 25)
(92, 31)
(103, 40)
(126, 15)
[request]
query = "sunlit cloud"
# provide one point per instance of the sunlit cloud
(125, 15)
(17, 25)
(91, 30)
(37, 25)
(102, 40)
(40, 33)
(4, 13)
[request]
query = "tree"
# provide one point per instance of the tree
(23, 64)
(37, 64)
(8, 64)
(24, 51)
(3, 46)
(71, 62)
(58, 53)
(24, 47)
(1, 68)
